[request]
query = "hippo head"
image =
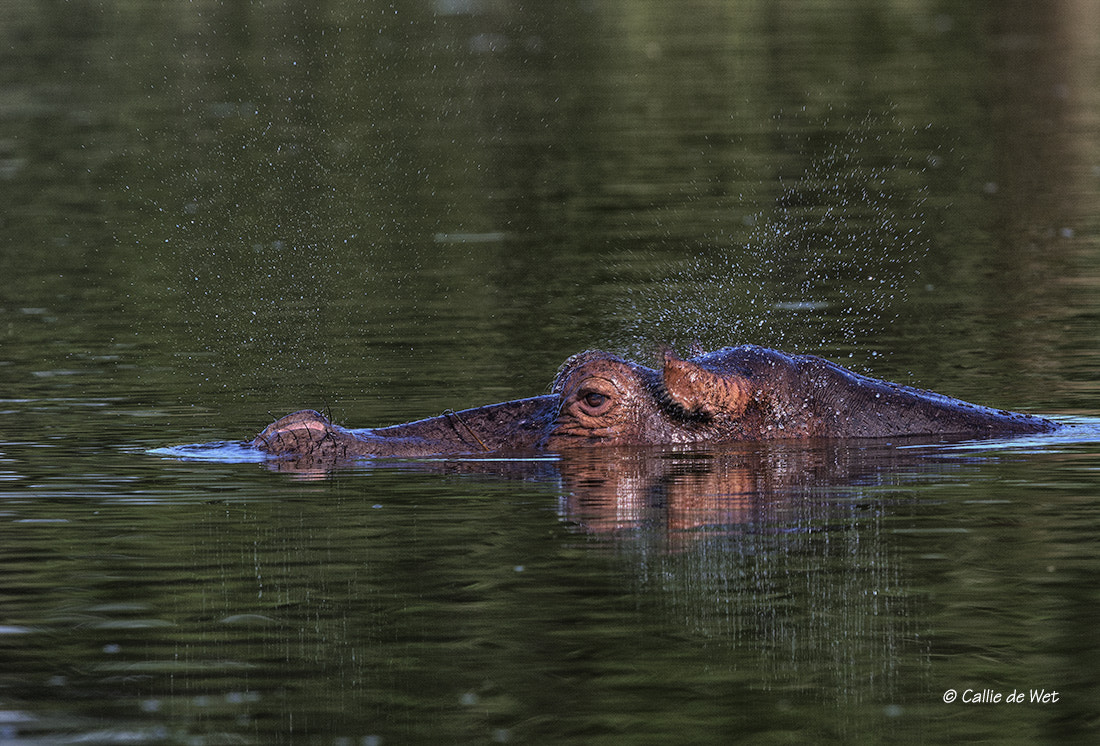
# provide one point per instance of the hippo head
(732, 394)
(605, 399)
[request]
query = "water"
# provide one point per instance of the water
(819, 590)
(213, 215)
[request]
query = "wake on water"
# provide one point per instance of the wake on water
(1074, 431)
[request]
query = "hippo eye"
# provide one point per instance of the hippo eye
(595, 399)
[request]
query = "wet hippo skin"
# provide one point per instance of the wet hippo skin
(734, 394)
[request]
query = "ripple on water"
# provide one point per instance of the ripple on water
(1076, 431)
(225, 452)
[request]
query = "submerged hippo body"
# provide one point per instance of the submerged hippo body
(735, 394)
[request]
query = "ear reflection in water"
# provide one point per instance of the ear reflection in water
(683, 495)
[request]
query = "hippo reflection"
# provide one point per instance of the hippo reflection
(679, 497)
(735, 394)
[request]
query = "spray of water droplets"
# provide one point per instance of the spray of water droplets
(825, 267)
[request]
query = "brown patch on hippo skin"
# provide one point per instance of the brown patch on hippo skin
(303, 433)
(699, 392)
(577, 361)
(597, 392)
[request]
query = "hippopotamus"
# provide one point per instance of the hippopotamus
(745, 393)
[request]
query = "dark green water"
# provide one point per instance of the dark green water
(213, 213)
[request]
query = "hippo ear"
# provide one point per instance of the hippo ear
(703, 392)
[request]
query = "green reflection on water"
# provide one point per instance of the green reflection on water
(316, 202)
(818, 590)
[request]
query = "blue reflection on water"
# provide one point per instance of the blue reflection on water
(222, 451)
(239, 452)
(1074, 430)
